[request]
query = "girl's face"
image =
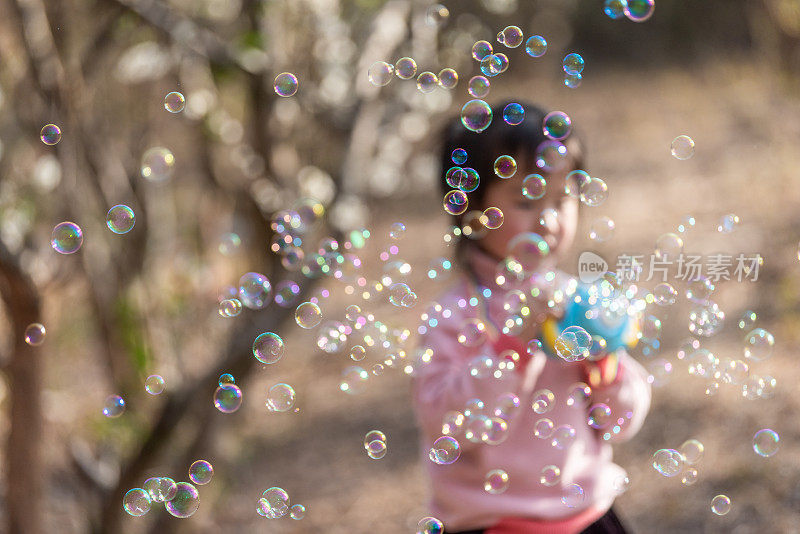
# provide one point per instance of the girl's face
(554, 216)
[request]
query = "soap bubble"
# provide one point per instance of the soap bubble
(67, 238)
(534, 186)
(381, 73)
(494, 218)
(599, 415)
(615, 9)
(563, 437)
(572, 81)
(682, 147)
(573, 64)
(297, 512)
(668, 462)
(689, 476)
(280, 398)
(397, 230)
(476, 115)
(120, 219)
(174, 102)
(445, 450)
(528, 249)
(308, 315)
(512, 36)
(136, 502)
(665, 294)
(50, 134)
(765, 442)
(436, 15)
(228, 398)
(274, 503)
(668, 247)
(550, 475)
(543, 401)
(114, 406)
(160, 489)
(154, 384)
(557, 125)
(481, 49)
(230, 307)
(758, 345)
(255, 290)
(226, 379)
(594, 192)
(201, 472)
(186, 501)
(286, 293)
(491, 65)
(459, 156)
(706, 320)
(543, 428)
(728, 223)
(572, 495)
(353, 380)
(573, 344)
(640, 10)
(536, 46)
(496, 481)
(478, 86)
(513, 114)
(721, 504)
(427, 82)
(747, 320)
(285, 84)
(373, 435)
(448, 78)
(157, 164)
(357, 353)
(550, 155)
(505, 167)
(455, 202)
(430, 525)
(34, 334)
(602, 229)
(405, 68)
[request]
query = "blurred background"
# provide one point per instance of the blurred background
(125, 307)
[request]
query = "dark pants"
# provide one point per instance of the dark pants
(608, 524)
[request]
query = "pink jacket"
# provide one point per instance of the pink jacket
(444, 384)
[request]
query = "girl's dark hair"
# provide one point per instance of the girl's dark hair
(498, 139)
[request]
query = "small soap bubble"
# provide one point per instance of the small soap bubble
(186, 501)
(721, 504)
(381, 73)
(397, 230)
(689, 476)
(430, 525)
(478, 86)
(230, 307)
(557, 125)
(579, 394)
(728, 223)
(157, 164)
(491, 65)
(621, 483)
(536, 46)
(551, 156)
(562, 437)
(160, 489)
(154, 384)
(476, 115)
(357, 353)
(255, 290)
(602, 229)
(512, 36)
(174, 102)
(766, 442)
(573, 344)
(136, 502)
(455, 202)
(226, 379)
(448, 78)
(534, 186)
(405, 68)
(494, 218)
(50, 134)
(496, 481)
(201, 472)
(758, 345)
(599, 415)
(286, 293)
(682, 147)
(376, 449)
(114, 406)
(747, 320)
(668, 247)
(285, 84)
(594, 192)
(281, 398)
(550, 475)
(445, 450)
(481, 49)
(120, 219)
(664, 294)
(297, 512)
(572, 81)
(513, 114)
(459, 156)
(639, 10)
(668, 462)
(615, 9)
(543, 428)
(274, 503)
(572, 495)
(436, 15)
(543, 401)
(67, 238)
(228, 398)
(528, 249)
(34, 334)
(573, 64)
(308, 315)
(353, 380)
(427, 82)
(505, 167)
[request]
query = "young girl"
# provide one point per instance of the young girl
(534, 430)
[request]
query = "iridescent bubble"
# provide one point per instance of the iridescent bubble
(459, 156)
(563, 437)
(427, 82)
(297, 512)
(543, 428)
(721, 504)
(285, 84)
(174, 102)
(455, 202)
(494, 218)
(50, 134)
(114, 406)
(445, 450)
(281, 398)
(157, 164)
(308, 315)
(469, 180)
(274, 503)
(505, 167)
(448, 78)
(430, 525)
(692, 451)
(228, 398)
(136, 502)
(594, 192)
(602, 229)
(496, 481)
(201, 472)
(481, 49)
(478, 87)
(534, 346)
(373, 435)
(543, 401)
(230, 307)
(550, 475)
(574, 181)
(682, 147)
(397, 230)
(286, 293)
(640, 10)
(376, 449)
(381, 73)
(599, 415)
(357, 353)
(352, 313)
(758, 345)
(621, 483)
(536, 46)
(120, 219)
(512, 36)
(528, 249)
(254, 290)
(664, 294)
(160, 489)
(34, 334)
(513, 114)
(699, 290)
(668, 247)
(668, 462)
(579, 394)
(687, 223)
(766, 442)
(491, 65)
(472, 333)
(572, 81)
(154, 384)
(476, 115)
(573, 64)
(186, 501)
(747, 320)
(573, 344)
(615, 9)
(572, 495)
(67, 238)
(557, 125)
(702, 363)
(332, 336)
(405, 68)
(551, 155)
(534, 186)
(689, 476)
(226, 379)
(436, 15)
(728, 223)
(353, 380)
